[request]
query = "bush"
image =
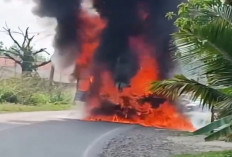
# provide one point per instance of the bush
(39, 98)
(33, 91)
(9, 97)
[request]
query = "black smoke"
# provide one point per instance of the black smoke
(124, 21)
(160, 33)
(66, 13)
(114, 51)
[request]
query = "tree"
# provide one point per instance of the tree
(23, 53)
(205, 35)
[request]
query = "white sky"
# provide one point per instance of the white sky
(18, 13)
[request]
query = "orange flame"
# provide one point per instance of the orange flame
(166, 116)
(92, 27)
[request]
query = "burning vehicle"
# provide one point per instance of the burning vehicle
(119, 47)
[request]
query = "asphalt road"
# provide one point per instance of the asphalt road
(55, 138)
(61, 134)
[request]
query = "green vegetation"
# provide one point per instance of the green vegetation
(222, 125)
(210, 154)
(33, 94)
(29, 92)
(7, 108)
(203, 46)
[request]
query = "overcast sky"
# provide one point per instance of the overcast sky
(18, 13)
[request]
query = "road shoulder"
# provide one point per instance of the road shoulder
(151, 142)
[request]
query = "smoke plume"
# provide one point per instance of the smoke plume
(67, 41)
(132, 18)
(125, 19)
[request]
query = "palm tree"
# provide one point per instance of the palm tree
(205, 38)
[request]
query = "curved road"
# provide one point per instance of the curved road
(53, 134)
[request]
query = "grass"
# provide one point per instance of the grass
(8, 108)
(32, 93)
(210, 154)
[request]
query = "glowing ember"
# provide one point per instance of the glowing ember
(134, 104)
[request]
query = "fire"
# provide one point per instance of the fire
(91, 79)
(135, 104)
(92, 27)
(166, 116)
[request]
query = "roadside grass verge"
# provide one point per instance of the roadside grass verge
(210, 154)
(32, 93)
(10, 108)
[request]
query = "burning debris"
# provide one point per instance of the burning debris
(119, 49)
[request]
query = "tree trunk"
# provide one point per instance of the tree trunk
(51, 75)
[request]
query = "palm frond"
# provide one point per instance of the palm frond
(205, 42)
(218, 72)
(219, 129)
(180, 85)
(214, 125)
(203, 46)
(210, 45)
(224, 132)
(215, 13)
(225, 107)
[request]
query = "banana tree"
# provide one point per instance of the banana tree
(204, 36)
